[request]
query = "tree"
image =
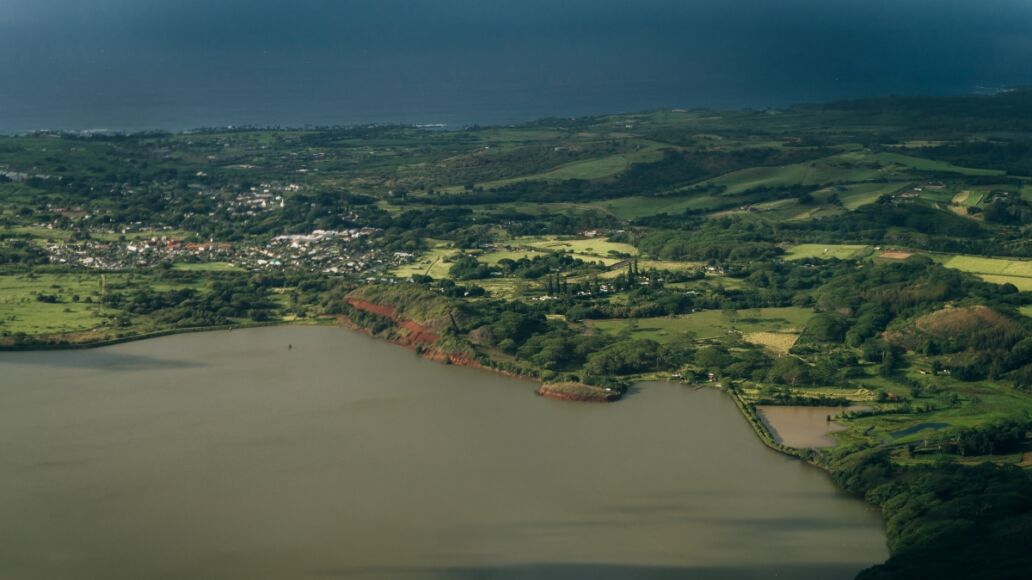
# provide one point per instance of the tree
(888, 363)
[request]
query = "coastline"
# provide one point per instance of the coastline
(432, 354)
(111, 341)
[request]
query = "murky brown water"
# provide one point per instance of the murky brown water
(226, 455)
(801, 427)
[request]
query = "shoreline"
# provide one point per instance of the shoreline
(431, 354)
(46, 346)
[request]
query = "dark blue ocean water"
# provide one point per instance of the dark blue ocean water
(177, 64)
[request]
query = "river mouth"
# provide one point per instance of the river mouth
(228, 455)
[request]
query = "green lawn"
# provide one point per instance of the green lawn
(861, 194)
(597, 168)
(922, 164)
(596, 247)
(638, 206)
(981, 403)
(995, 270)
(816, 172)
(708, 323)
(78, 297)
(996, 266)
(434, 263)
(828, 251)
(516, 254)
(21, 311)
(1022, 283)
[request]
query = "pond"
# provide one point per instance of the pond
(803, 426)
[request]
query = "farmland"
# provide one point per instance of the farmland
(995, 270)
(709, 324)
(828, 251)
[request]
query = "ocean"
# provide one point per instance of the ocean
(129, 65)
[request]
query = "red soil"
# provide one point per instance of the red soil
(372, 308)
(415, 333)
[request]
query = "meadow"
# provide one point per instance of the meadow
(22, 311)
(995, 270)
(709, 324)
(828, 251)
(435, 263)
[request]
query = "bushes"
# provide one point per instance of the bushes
(1003, 436)
(946, 521)
(624, 358)
(825, 328)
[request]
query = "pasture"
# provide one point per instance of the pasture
(434, 263)
(600, 247)
(494, 257)
(995, 270)
(588, 169)
(861, 194)
(828, 251)
(640, 206)
(21, 310)
(707, 324)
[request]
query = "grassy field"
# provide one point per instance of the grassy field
(20, 311)
(828, 251)
(851, 196)
(821, 171)
(517, 254)
(708, 323)
(980, 403)
(644, 265)
(638, 206)
(996, 266)
(434, 263)
(77, 300)
(861, 194)
(779, 342)
(507, 288)
(668, 265)
(1027, 310)
(921, 164)
(205, 266)
(586, 249)
(968, 198)
(597, 168)
(995, 270)
(1022, 283)
(600, 247)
